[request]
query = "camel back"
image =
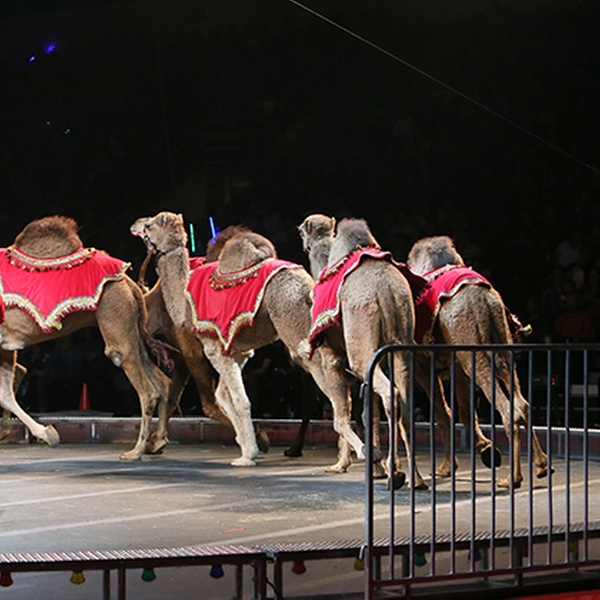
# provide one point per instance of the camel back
(49, 237)
(431, 253)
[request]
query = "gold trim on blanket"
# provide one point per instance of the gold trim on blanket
(30, 263)
(334, 268)
(221, 281)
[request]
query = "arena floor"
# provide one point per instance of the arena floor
(83, 497)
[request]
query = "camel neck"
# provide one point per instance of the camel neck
(160, 253)
(318, 256)
(173, 271)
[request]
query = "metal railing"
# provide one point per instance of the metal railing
(482, 527)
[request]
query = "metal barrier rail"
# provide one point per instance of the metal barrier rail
(546, 525)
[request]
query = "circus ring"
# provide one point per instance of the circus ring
(78, 521)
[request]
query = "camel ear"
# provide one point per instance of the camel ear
(180, 218)
(305, 227)
(333, 223)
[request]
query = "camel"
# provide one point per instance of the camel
(474, 315)
(283, 313)
(116, 307)
(189, 362)
(375, 309)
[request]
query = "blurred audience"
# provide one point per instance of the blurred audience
(105, 129)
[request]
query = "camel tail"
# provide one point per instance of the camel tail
(499, 325)
(396, 326)
(500, 333)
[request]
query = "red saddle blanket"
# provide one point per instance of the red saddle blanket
(442, 284)
(326, 294)
(48, 289)
(1, 310)
(223, 304)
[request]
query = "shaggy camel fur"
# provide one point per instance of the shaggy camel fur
(120, 316)
(376, 308)
(476, 315)
(284, 313)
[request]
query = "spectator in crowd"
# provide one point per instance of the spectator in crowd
(574, 324)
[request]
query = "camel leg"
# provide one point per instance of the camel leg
(160, 438)
(540, 458)
(309, 397)
(382, 387)
(401, 376)
(324, 367)
(483, 377)
(359, 359)
(518, 407)
(379, 470)
(297, 446)
(5, 425)
(123, 345)
(442, 415)
(151, 386)
(9, 401)
(465, 406)
(233, 399)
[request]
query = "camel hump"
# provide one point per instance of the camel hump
(245, 250)
(350, 234)
(49, 237)
(430, 253)
(237, 247)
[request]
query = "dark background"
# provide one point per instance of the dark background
(479, 121)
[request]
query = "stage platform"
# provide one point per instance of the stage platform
(81, 497)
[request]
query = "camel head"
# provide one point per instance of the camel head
(316, 233)
(164, 236)
(431, 253)
(314, 228)
(162, 233)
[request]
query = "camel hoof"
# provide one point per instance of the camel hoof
(242, 461)
(51, 436)
(379, 471)
(293, 451)
(486, 457)
(156, 446)
(541, 472)
(445, 470)
(131, 455)
(421, 485)
(505, 484)
(337, 468)
(396, 481)
(262, 440)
